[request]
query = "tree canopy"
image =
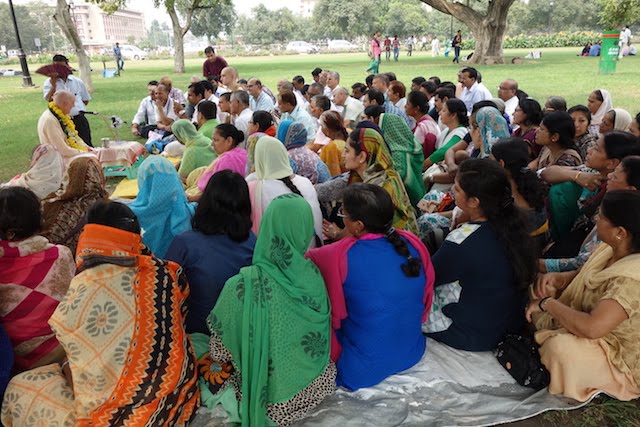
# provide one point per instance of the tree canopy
(616, 13)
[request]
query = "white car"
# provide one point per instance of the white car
(302, 47)
(341, 45)
(132, 52)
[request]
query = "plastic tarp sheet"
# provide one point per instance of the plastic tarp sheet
(447, 387)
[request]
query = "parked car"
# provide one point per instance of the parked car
(10, 72)
(302, 47)
(341, 45)
(132, 52)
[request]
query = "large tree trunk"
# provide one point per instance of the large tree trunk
(489, 34)
(65, 22)
(178, 37)
(487, 29)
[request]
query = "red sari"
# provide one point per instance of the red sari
(35, 278)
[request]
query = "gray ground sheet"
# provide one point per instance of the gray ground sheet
(446, 388)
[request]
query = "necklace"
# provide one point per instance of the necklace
(69, 128)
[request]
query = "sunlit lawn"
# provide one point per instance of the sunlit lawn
(559, 72)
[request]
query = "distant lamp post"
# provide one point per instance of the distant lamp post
(550, 15)
(26, 77)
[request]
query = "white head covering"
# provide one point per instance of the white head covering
(607, 104)
(622, 120)
(45, 172)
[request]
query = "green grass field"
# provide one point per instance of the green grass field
(559, 72)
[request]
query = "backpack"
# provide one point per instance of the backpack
(453, 41)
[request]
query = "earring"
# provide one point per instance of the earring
(619, 237)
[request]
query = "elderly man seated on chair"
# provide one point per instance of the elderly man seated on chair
(56, 128)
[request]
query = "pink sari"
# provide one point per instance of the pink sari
(234, 160)
(35, 278)
(333, 264)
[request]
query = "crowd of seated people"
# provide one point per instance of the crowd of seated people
(296, 247)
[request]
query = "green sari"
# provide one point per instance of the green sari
(407, 154)
(272, 322)
(198, 151)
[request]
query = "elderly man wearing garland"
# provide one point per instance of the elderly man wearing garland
(56, 128)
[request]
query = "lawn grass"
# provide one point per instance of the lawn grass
(559, 72)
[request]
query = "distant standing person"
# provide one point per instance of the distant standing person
(456, 44)
(435, 47)
(374, 53)
(410, 42)
(76, 86)
(424, 43)
(118, 54)
(387, 47)
(214, 64)
(396, 47)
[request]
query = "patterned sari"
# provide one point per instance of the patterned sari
(121, 325)
(35, 277)
(380, 171)
(64, 211)
(407, 154)
(271, 323)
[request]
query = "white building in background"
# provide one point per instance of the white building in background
(306, 8)
(98, 29)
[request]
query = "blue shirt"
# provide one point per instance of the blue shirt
(208, 261)
(382, 333)
(390, 108)
(490, 305)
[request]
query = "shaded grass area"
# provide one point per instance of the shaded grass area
(603, 411)
(559, 72)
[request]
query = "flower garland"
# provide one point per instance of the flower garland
(69, 128)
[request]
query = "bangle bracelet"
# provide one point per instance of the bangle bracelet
(575, 178)
(542, 301)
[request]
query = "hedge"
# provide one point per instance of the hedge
(561, 39)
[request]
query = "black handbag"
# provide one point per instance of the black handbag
(519, 355)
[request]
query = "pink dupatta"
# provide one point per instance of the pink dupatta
(332, 262)
(234, 160)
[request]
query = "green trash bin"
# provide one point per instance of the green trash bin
(609, 52)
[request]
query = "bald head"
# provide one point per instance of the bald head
(229, 76)
(507, 89)
(64, 100)
(285, 86)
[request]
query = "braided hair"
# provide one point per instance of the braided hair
(290, 185)
(373, 206)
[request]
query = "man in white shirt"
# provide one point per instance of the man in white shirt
(241, 112)
(352, 109)
(333, 80)
(164, 111)
(292, 111)
(145, 118)
(287, 86)
(79, 90)
(507, 92)
(259, 100)
(472, 91)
